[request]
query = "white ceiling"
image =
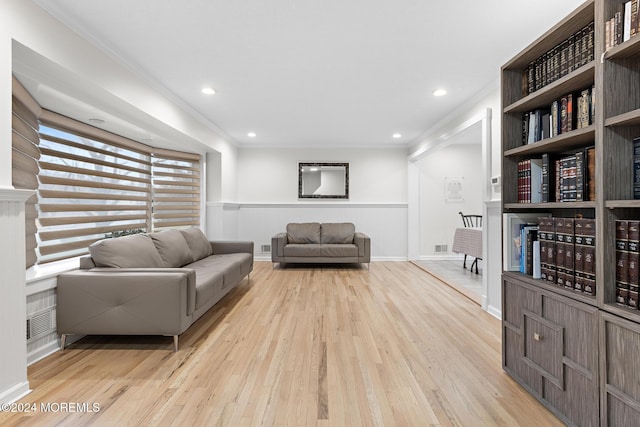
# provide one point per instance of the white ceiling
(315, 73)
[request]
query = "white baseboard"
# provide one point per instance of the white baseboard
(495, 312)
(43, 352)
(448, 257)
(444, 257)
(14, 393)
(373, 259)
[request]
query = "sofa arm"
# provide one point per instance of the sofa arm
(125, 301)
(278, 243)
(231, 247)
(363, 242)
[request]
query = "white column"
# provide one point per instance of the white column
(13, 341)
(492, 271)
(5, 105)
(413, 211)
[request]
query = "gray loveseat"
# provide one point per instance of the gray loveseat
(313, 242)
(155, 284)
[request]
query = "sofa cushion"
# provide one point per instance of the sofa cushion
(198, 243)
(240, 264)
(217, 272)
(321, 250)
(337, 232)
(172, 247)
(132, 251)
(308, 232)
(232, 266)
(209, 279)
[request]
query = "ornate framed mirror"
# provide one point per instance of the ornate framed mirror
(323, 180)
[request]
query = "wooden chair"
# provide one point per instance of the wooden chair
(471, 221)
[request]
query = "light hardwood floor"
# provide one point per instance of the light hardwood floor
(300, 346)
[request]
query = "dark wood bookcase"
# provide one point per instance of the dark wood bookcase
(578, 354)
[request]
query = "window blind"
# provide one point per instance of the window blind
(92, 183)
(176, 189)
(25, 155)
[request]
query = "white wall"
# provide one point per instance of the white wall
(446, 129)
(438, 217)
(268, 196)
(270, 175)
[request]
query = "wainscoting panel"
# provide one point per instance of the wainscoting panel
(42, 338)
(385, 223)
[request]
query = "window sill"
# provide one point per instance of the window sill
(42, 278)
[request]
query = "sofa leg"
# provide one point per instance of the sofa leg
(175, 343)
(63, 340)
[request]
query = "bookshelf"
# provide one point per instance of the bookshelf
(577, 353)
(619, 325)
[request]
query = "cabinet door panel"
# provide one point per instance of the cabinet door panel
(621, 364)
(543, 347)
(551, 346)
(578, 401)
(580, 325)
(514, 362)
(620, 414)
(520, 298)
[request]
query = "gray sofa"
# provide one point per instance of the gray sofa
(155, 284)
(313, 242)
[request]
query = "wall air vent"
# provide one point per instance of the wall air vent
(39, 324)
(442, 249)
(265, 249)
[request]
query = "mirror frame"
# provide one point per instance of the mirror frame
(323, 196)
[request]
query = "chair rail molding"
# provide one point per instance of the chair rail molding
(384, 222)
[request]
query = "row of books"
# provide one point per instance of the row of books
(572, 53)
(567, 252)
(623, 25)
(627, 262)
(530, 181)
(561, 251)
(567, 178)
(572, 111)
(636, 167)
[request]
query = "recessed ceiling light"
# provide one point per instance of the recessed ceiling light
(208, 91)
(251, 134)
(397, 135)
(439, 92)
